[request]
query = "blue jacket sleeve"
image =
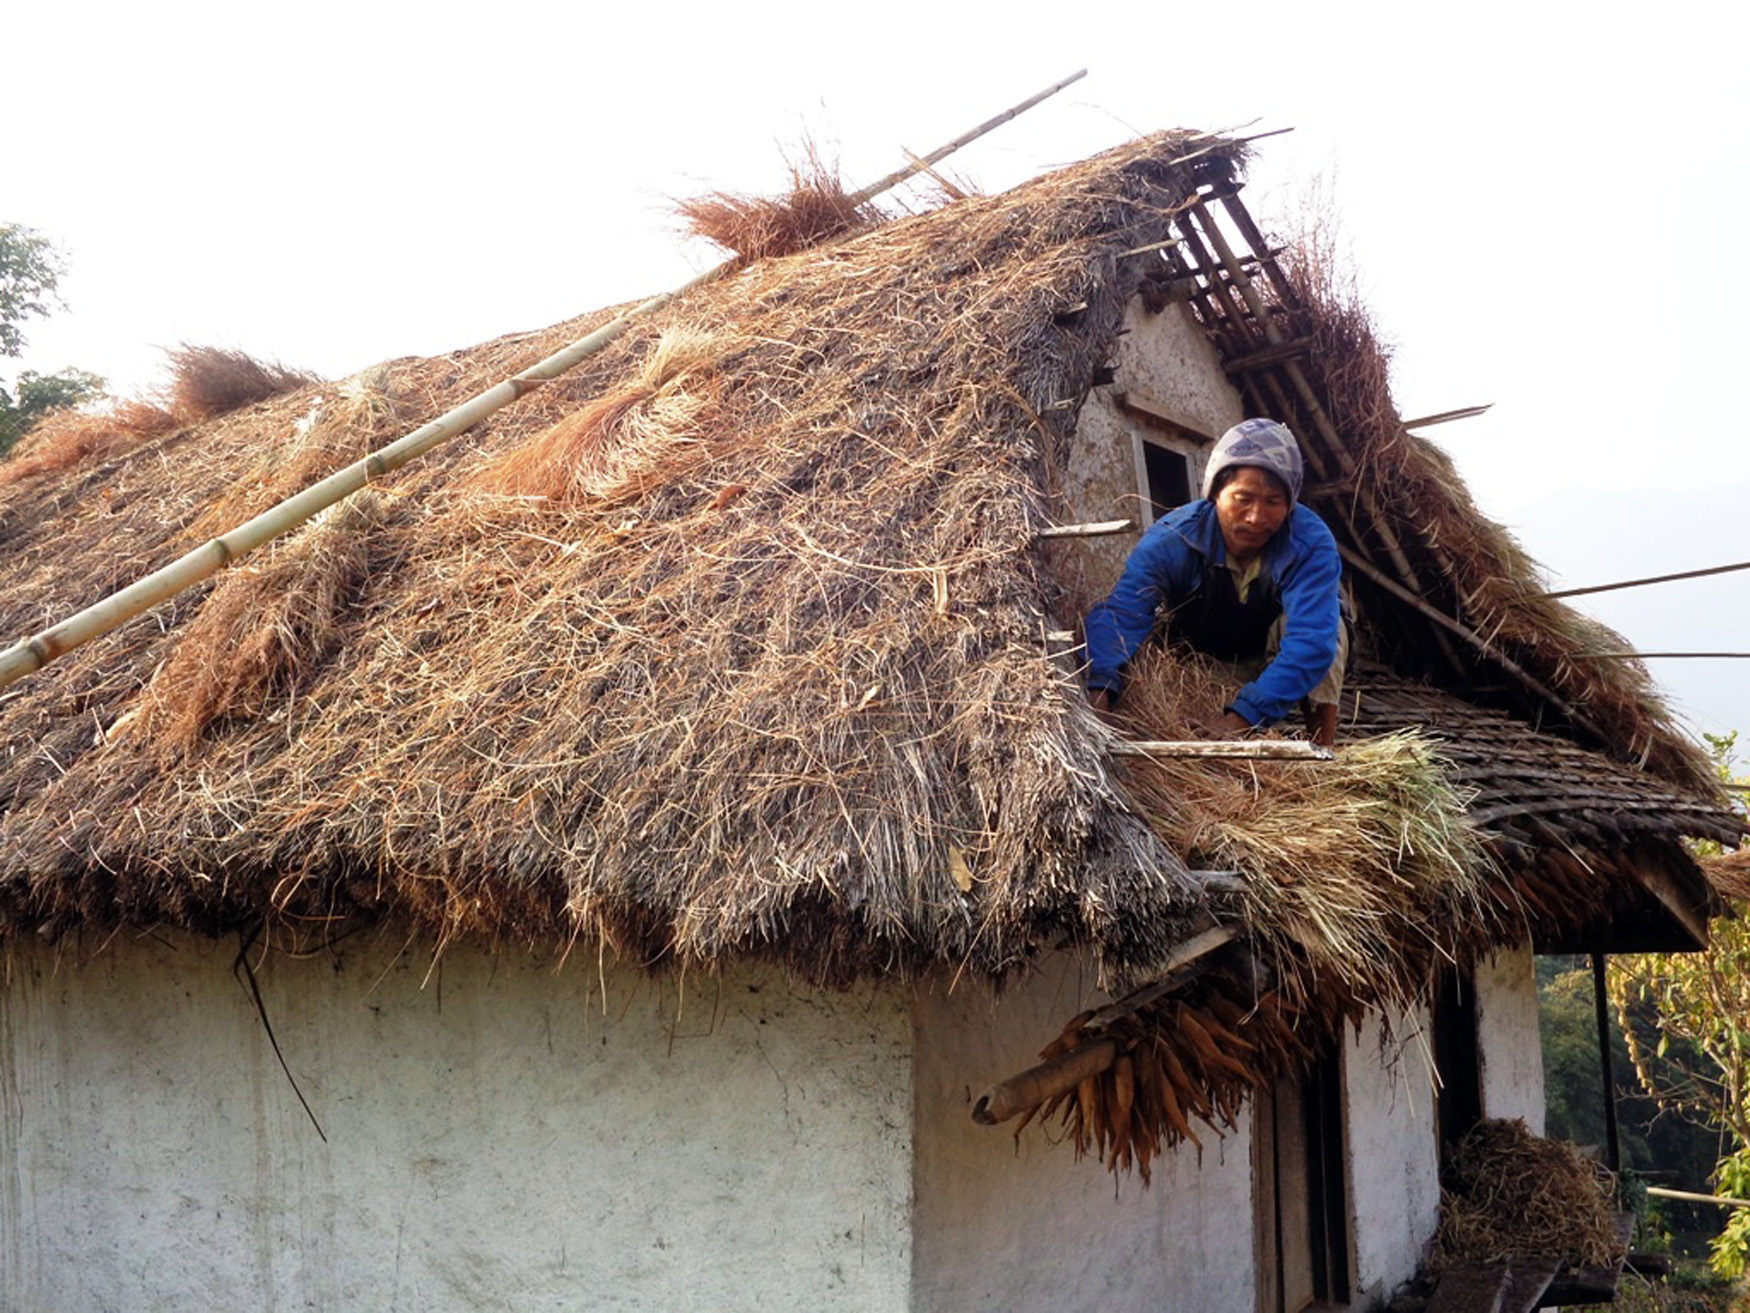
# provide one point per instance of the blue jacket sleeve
(1310, 571)
(1162, 568)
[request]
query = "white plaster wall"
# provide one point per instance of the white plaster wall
(1507, 1035)
(494, 1140)
(1394, 1158)
(1001, 1225)
(1167, 358)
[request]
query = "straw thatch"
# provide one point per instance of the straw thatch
(733, 643)
(1510, 1194)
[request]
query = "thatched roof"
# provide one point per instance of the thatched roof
(734, 642)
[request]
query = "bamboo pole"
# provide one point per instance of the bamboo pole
(118, 608)
(1037, 1084)
(1660, 1192)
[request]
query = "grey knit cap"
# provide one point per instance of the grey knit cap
(1263, 443)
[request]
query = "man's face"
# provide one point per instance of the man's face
(1250, 508)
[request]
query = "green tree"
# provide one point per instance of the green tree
(1685, 1019)
(30, 272)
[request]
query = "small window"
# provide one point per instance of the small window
(1169, 478)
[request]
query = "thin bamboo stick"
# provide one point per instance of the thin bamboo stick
(1447, 416)
(35, 652)
(1660, 656)
(1094, 529)
(1660, 1192)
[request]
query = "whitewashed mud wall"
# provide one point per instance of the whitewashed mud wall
(494, 1139)
(1508, 1037)
(1026, 1227)
(1166, 358)
(1394, 1154)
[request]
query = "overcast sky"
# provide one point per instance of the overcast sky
(1542, 202)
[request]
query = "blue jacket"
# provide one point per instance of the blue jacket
(1167, 566)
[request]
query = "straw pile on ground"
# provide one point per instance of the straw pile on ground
(1512, 1195)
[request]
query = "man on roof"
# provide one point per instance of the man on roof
(1246, 575)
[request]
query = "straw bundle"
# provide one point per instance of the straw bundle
(635, 438)
(264, 631)
(208, 381)
(70, 437)
(1511, 1194)
(1359, 872)
(815, 208)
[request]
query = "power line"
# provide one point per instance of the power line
(1643, 656)
(1652, 579)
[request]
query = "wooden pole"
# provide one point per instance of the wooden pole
(1037, 1084)
(119, 607)
(1612, 1145)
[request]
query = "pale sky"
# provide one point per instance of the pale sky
(1541, 201)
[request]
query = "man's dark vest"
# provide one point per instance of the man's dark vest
(1214, 620)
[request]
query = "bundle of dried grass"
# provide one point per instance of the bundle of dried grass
(1511, 1194)
(70, 437)
(1729, 873)
(264, 631)
(816, 208)
(207, 381)
(343, 423)
(633, 439)
(1359, 872)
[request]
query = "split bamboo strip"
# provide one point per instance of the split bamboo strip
(1242, 749)
(35, 652)
(1447, 416)
(1094, 529)
(1651, 579)
(1661, 656)
(1660, 1192)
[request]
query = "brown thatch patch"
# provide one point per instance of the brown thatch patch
(790, 698)
(264, 632)
(207, 381)
(1511, 1194)
(816, 208)
(637, 438)
(1729, 873)
(70, 437)
(1359, 872)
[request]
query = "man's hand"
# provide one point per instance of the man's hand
(1224, 725)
